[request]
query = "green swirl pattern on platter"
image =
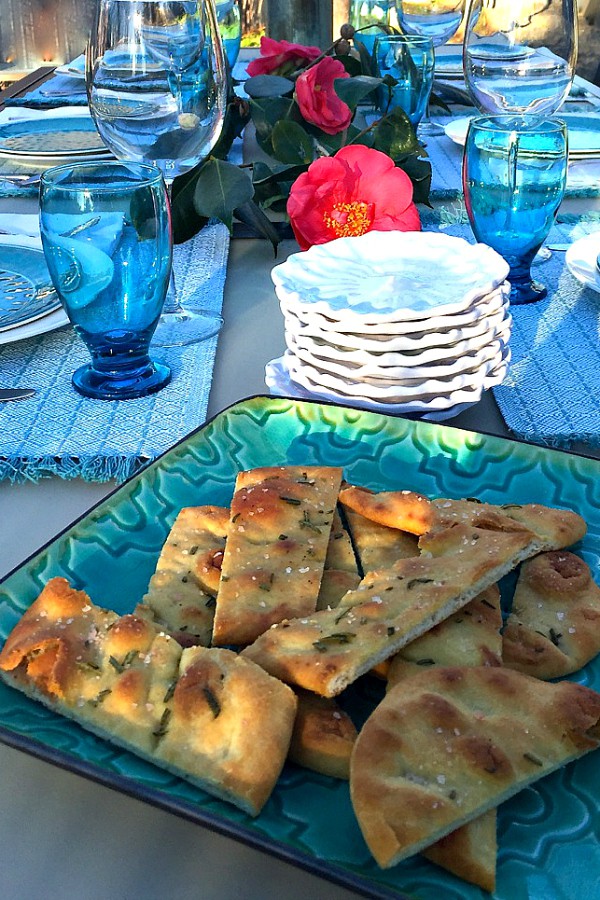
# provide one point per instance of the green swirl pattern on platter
(549, 835)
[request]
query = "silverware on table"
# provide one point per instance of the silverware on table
(598, 264)
(21, 180)
(7, 394)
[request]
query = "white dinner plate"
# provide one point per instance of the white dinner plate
(44, 318)
(581, 260)
(584, 133)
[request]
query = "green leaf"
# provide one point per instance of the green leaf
(220, 188)
(395, 135)
(353, 90)
(252, 215)
(268, 86)
(291, 144)
(419, 172)
(436, 100)
(366, 60)
(351, 65)
(266, 113)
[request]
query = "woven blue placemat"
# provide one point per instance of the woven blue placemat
(60, 90)
(445, 156)
(551, 394)
(58, 432)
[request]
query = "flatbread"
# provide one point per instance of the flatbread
(181, 594)
(471, 637)
(206, 715)
(404, 510)
(327, 651)
(554, 528)
(277, 541)
(378, 546)
(323, 736)
(448, 744)
(554, 626)
(340, 572)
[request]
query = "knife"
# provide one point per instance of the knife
(15, 394)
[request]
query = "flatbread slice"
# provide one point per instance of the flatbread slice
(554, 626)
(556, 528)
(277, 541)
(181, 594)
(378, 546)
(323, 736)
(477, 737)
(327, 651)
(340, 572)
(206, 715)
(471, 637)
(404, 510)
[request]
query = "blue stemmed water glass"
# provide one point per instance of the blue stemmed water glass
(229, 17)
(407, 59)
(106, 236)
(514, 177)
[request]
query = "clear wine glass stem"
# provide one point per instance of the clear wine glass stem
(172, 304)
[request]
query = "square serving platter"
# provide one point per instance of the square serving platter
(549, 834)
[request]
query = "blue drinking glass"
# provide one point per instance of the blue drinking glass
(409, 60)
(229, 17)
(106, 236)
(374, 16)
(514, 176)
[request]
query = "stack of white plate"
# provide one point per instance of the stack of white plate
(405, 322)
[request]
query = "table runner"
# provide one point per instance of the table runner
(58, 432)
(551, 395)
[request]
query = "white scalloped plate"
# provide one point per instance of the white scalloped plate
(395, 391)
(486, 305)
(373, 373)
(390, 275)
(281, 384)
(401, 350)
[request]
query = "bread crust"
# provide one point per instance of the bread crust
(206, 715)
(330, 649)
(281, 518)
(554, 625)
(181, 594)
(448, 744)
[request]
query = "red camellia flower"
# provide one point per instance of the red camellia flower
(317, 99)
(345, 195)
(281, 57)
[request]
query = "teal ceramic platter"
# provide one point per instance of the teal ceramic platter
(549, 834)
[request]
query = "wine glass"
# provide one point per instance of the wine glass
(518, 56)
(157, 89)
(436, 19)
